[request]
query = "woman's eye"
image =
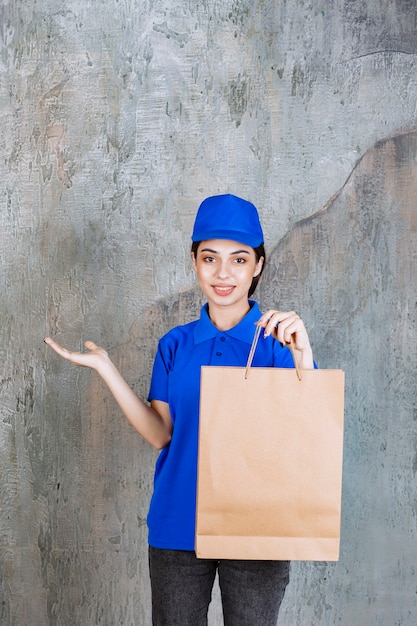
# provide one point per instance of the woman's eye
(208, 259)
(240, 260)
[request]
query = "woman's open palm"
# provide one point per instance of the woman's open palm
(93, 358)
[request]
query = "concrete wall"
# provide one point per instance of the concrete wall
(117, 118)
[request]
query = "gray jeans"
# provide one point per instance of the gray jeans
(251, 591)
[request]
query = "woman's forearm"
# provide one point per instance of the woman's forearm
(154, 425)
(304, 359)
(155, 428)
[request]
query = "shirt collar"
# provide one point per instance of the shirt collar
(244, 331)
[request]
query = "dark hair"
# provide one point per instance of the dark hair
(259, 252)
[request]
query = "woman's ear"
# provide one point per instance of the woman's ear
(259, 265)
(193, 260)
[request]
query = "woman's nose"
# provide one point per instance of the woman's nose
(222, 269)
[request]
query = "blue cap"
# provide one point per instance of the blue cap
(228, 217)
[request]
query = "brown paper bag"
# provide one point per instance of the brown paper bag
(270, 464)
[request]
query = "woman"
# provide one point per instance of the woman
(228, 257)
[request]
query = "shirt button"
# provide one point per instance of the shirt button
(218, 353)
(222, 338)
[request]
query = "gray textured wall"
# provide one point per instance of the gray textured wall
(117, 118)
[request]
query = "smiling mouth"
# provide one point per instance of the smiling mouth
(223, 291)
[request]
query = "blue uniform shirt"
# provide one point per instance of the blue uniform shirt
(176, 380)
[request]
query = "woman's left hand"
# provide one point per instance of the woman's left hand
(283, 325)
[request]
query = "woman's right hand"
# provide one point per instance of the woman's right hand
(94, 358)
(153, 422)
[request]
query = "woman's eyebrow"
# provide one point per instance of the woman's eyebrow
(231, 254)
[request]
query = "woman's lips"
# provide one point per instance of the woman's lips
(223, 290)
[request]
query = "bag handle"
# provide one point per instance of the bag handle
(253, 348)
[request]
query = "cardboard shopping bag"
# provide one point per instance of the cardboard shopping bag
(270, 463)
